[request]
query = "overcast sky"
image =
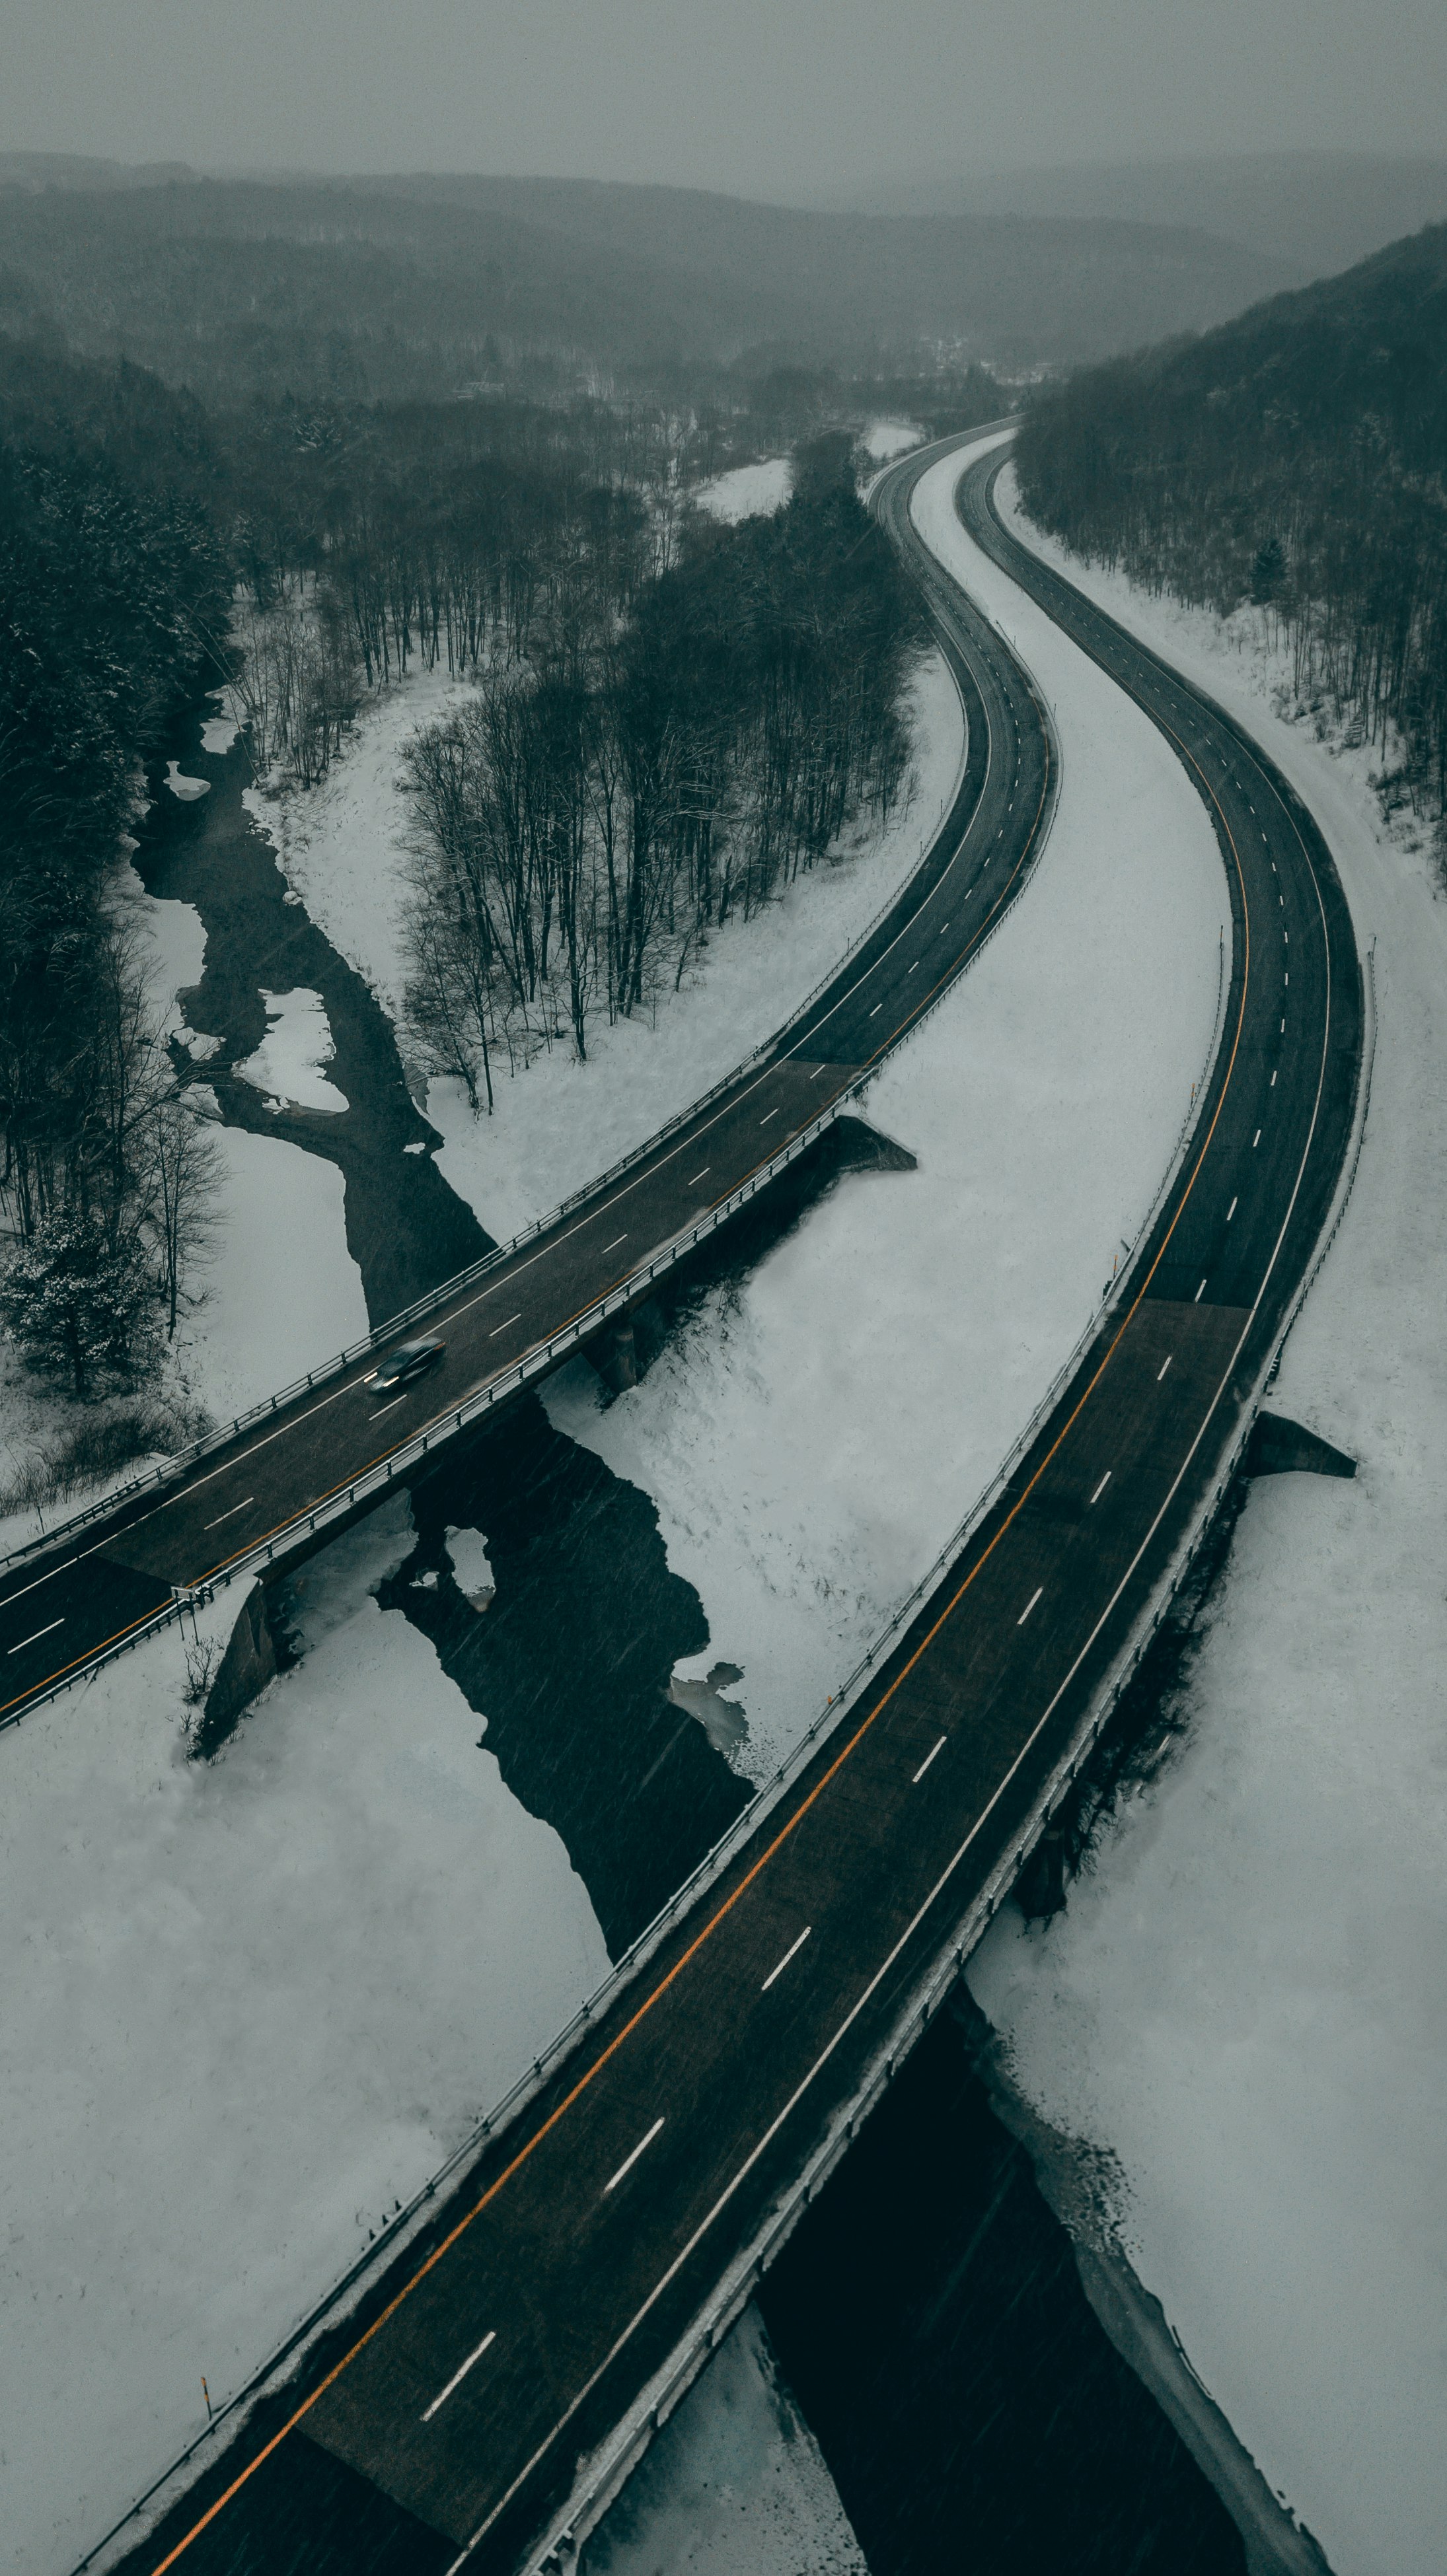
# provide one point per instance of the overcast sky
(789, 99)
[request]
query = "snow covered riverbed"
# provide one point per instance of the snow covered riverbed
(1243, 2002)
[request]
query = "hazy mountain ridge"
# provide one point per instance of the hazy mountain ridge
(1322, 211)
(346, 285)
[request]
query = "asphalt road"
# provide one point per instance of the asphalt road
(63, 1606)
(579, 2247)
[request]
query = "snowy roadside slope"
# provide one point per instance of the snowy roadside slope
(250, 2005)
(1244, 2001)
(811, 1445)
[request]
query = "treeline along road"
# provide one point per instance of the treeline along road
(248, 1502)
(447, 2415)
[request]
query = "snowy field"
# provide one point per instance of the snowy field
(746, 491)
(812, 1444)
(886, 438)
(1244, 2002)
(250, 2005)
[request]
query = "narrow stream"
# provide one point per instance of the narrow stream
(406, 1229)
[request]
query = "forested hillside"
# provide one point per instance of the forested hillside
(359, 288)
(1296, 458)
(114, 587)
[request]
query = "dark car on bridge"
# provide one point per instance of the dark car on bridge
(407, 1361)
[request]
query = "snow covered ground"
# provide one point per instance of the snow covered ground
(282, 1290)
(339, 845)
(746, 491)
(249, 2006)
(735, 2484)
(812, 1444)
(1244, 2001)
(886, 438)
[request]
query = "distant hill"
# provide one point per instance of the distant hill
(378, 287)
(1021, 290)
(1320, 210)
(33, 170)
(1296, 457)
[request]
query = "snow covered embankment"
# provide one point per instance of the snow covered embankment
(1244, 2001)
(251, 2005)
(813, 1443)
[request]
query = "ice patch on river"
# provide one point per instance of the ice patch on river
(284, 1292)
(254, 2003)
(288, 1063)
(188, 790)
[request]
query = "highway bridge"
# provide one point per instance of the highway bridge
(475, 2390)
(252, 1500)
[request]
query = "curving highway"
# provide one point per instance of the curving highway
(499, 2350)
(248, 1502)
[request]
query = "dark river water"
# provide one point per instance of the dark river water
(927, 2312)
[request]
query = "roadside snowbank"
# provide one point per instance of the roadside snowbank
(251, 2005)
(560, 1123)
(747, 491)
(813, 1443)
(1243, 2002)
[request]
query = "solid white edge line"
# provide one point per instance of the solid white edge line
(35, 1640)
(458, 2376)
(630, 2161)
(790, 1953)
